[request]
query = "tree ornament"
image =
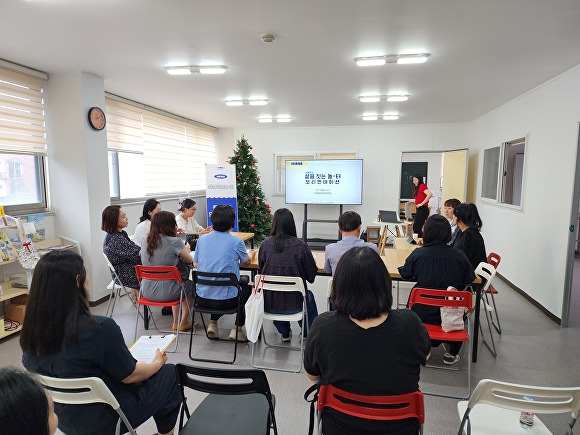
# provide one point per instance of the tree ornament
(252, 226)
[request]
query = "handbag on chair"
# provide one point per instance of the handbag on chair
(255, 312)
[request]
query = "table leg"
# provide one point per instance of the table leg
(476, 323)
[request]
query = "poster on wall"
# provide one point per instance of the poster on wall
(220, 183)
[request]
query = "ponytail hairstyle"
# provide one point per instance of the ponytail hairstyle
(416, 188)
(150, 205)
(468, 214)
(185, 203)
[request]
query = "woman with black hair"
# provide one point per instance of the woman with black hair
(25, 407)
(122, 253)
(150, 208)
(421, 195)
(436, 265)
(60, 338)
(185, 221)
(365, 347)
(284, 254)
(469, 239)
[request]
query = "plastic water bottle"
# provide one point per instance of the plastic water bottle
(526, 417)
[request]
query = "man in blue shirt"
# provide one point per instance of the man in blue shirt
(349, 225)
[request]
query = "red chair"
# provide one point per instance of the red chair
(396, 407)
(442, 298)
(160, 273)
(493, 259)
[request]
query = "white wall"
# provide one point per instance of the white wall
(533, 242)
(379, 146)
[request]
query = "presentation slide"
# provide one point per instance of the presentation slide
(324, 182)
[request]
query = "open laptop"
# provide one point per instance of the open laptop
(389, 216)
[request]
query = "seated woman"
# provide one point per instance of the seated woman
(123, 254)
(150, 208)
(283, 254)
(60, 338)
(185, 221)
(437, 265)
(25, 407)
(365, 347)
(164, 248)
(469, 238)
(221, 252)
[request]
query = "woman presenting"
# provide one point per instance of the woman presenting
(422, 196)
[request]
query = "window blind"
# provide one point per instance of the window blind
(22, 125)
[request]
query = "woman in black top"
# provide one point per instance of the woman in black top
(365, 347)
(437, 265)
(469, 240)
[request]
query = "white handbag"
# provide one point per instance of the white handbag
(255, 312)
(452, 317)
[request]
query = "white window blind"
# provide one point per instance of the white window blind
(175, 150)
(22, 128)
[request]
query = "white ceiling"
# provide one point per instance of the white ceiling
(483, 53)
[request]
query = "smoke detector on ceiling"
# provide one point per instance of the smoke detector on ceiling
(268, 38)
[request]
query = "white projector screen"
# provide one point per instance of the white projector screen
(324, 182)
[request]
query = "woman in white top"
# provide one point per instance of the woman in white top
(150, 207)
(185, 221)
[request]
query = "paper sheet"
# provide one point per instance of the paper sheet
(144, 349)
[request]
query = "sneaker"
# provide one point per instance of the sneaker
(450, 359)
(212, 331)
(241, 335)
(286, 338)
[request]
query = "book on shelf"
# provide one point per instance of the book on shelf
(38, 221)
(7, 251)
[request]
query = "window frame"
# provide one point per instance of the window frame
(504, 173)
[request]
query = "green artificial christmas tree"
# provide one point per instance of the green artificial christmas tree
(253, 211)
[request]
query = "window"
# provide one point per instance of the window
(153, 152)
(280, 165)
(503, 173)
(22, 139)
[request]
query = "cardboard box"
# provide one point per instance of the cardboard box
(14, 312)
(19, 300)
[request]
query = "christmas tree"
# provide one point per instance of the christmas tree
(253, 211)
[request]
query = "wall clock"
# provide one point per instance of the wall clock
(97, 118)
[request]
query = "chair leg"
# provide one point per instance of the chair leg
(490, 346)
(219, 339)
(495, 324)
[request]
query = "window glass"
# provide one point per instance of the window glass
(20, 181)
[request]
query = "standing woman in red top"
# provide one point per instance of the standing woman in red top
(422, 196)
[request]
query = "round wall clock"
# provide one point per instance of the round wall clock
(97, 118)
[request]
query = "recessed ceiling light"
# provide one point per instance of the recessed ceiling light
(390, 116)
(264, 119)
(258, 102)
(397, 97)
(283, 119)
(234, 103)
(392, 58)
(370, 117)
(188, 69)
(369, 98)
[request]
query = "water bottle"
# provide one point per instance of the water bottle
(526, 417)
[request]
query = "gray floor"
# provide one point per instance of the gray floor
(532, 350)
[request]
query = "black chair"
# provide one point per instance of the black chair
(215, 280)
(234, 407)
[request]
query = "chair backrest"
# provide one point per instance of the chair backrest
(547, 400)
(215, 279)
(383, 238)
(487, 272)
(249, 381)
(373, 233)
(395, 407)
(280, 283)
(441, 298)
(112, 269)
(158, 273)
(81, 391)
(494, 259)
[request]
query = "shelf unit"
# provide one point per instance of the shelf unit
(9, 291)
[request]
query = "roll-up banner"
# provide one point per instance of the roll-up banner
(221, 188)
